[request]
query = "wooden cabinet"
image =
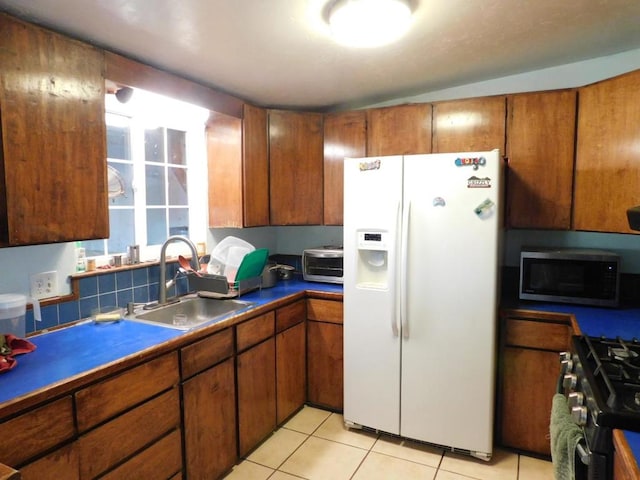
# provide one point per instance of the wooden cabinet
(295, 168)
(291, 375)
(209, 406)
(540, 149)
(325, 382)
(607, 171)
(399, 130)
(345, 135)
(134, 425)
(256, 377)
(471, 125)
(238, 169)
(53, 162)
(625, 466)
(529, 369)
(37, 431)
(62, 463)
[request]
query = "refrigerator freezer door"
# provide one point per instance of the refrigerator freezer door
(448, 346)
(372, 203)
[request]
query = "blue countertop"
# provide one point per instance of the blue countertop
(63, 354)
(608, 322)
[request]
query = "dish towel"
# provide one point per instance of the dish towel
(565, 436)
(10, 345)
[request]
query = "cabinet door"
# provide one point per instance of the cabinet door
(209, 409)
(255, 153)
(540, 148)
(62, 463)
(238, 169)
(472, 125)
(256, 374)
(607, 169)
(529, 383)
(224, 156)
(399, 130)
(295, 165)
(345, 135)
(325, 365)
(291, 378)
(53, 163)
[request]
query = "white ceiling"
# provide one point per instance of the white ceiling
(278, 53)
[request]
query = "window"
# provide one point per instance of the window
(157, 173)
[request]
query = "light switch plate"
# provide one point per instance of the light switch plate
(44, 285)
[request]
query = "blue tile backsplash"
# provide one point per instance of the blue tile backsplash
(139, 285)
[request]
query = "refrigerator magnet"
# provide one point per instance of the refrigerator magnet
(486, 209)
(478, 182)
(439, 202)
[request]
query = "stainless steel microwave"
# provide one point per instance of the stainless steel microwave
(580, 276)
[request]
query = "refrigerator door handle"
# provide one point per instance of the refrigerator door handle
(395, 319)
(404, 252)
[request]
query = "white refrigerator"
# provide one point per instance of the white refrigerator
(421, 282)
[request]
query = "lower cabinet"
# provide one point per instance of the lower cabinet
(529, 369)
(256, 377)
(625, 466)
(209, 406)
(325, 383)
(291, 377)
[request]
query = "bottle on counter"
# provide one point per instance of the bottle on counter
(81, 258)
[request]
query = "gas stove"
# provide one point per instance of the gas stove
(611, 367)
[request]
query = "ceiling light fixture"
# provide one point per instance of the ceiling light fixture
(369, 23)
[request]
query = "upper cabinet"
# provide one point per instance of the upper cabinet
(607, 168)
(295, 168)
(472, 125)
(53, 167)
(540, 148)
(345, 135)
(399, 130)
(238, 169)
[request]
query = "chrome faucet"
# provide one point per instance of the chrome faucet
(162, 287)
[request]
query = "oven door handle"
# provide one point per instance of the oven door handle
(583, 452)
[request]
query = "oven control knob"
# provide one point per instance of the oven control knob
(579, 415)
(576, 399)
(570, 381)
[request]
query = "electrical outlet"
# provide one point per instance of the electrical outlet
(44, 285)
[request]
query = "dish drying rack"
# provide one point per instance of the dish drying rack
(218, 286)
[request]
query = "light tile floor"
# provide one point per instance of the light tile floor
(315, 445)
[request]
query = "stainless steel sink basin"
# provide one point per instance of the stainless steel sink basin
(191, 312)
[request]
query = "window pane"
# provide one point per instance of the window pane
(156, 226)
(154, 145)
(126, 172)
(176, 141)
(177, 186)
(179, 221)
(118, 145)
(94, 248)
(122, 225)
(154, 182)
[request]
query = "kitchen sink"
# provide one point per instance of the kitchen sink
(191, 312)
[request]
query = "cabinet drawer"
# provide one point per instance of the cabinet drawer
(118, 439)
(158, 461)
(324, 310)
(36, 431)
(533, 334)
(206, 353)
(290, 315)
(63, 463)
(254, 331)
(105, 399)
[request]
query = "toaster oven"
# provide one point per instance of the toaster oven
(323, 264)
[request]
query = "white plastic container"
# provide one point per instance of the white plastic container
(227, 256)
(13, 307)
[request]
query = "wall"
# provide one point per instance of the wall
(19, 263)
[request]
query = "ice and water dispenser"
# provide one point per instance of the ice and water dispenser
(372, 269)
